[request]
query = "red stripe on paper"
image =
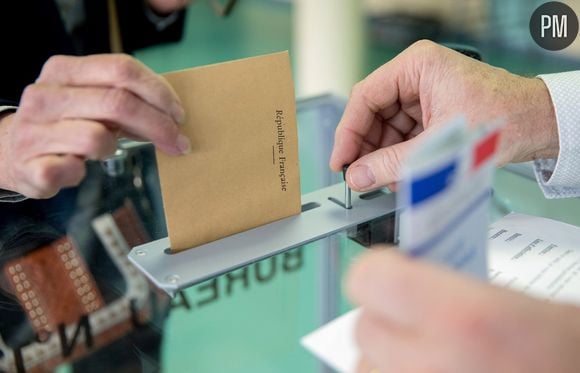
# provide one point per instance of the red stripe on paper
(485, 149)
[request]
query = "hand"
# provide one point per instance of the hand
(75, 111)
(417, 317)
(168, 6)
(422, 89)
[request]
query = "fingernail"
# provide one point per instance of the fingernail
(362, 177)
(178, 113)
(183, 144)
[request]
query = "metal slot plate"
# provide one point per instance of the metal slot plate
(174, 272)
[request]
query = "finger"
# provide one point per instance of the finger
(84, 138)
(120, 108)
(398, 128)
(410, 292)
(358, 119)
(364, 366)
(379, 168)
(114, 70)
(378, 94)
(46, 175)
(385, 347)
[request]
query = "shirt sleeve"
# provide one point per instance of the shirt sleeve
(6, 195)
(560, 178)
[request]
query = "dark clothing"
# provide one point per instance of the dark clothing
(33, 31)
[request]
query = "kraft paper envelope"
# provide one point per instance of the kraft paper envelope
(243, 169)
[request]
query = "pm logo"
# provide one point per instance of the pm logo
(554, 26)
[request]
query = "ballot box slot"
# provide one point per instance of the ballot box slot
(372, 195)
(338, 202)
(310, 206)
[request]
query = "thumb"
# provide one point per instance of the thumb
(379, 168)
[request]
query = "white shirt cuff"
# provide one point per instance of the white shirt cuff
(560, 178)
(4, 108)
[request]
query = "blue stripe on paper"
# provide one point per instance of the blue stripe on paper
(430, 185)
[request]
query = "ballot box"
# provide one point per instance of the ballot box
(74, 300)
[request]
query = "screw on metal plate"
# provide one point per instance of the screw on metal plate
(172, 279)
(347, 191)
(347, 204)
(141, 252)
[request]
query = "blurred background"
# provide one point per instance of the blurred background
(251, 320)
(334, 43)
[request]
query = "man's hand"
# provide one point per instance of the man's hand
(75, 111)
(425, 87)
(417, 317)
(168, 6)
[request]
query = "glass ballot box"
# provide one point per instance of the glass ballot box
(71, 301)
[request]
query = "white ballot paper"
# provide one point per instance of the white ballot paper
(538, 256)
(443, 198)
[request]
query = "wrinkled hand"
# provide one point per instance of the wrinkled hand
(168, 6)
(422, 89)
(75, 111)
(417, 317)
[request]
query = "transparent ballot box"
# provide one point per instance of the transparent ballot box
(85, 278)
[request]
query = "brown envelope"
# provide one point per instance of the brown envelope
(243, 169)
